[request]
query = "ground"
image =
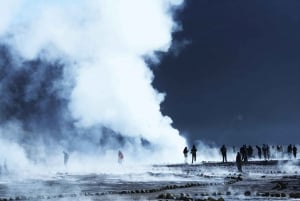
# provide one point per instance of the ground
(260, 180)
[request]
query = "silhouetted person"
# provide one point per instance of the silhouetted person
(279, 151)
(290, 150)
(194, 153)
(243, 153)
(265, 149)
(4, 170)
(66, 158)
(258, 151)
(295, 151)
(238, 161)
(120, 157)
(185, 153)
(268, 152)
(224, 153)
(249, 151)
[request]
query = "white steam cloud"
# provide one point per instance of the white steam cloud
(104, 43)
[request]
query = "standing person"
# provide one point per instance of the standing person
(268, 152)
(66, 158)
(224, 153)
(243, 153)
(185, 153)
(290, 150)
(258, 151)
(194, 153)
(295, 151)
(238, 161)
(250, 151)
(264, 149)
(120, 157)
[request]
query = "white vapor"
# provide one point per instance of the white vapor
(104, 42)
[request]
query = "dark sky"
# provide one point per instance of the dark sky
(238, 80)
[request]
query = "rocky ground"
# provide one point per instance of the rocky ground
(260, 180)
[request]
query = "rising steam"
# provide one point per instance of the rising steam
(73, 77)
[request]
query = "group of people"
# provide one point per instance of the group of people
(193, 152)
(292, 150)
(264, 151)
(247, 152)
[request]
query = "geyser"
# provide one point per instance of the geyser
(73, 77)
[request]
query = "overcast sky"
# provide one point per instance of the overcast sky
(237, 79)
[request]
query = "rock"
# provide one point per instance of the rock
(161, 196)
(41, 197)
(277, 195)
(247, 193)
(280, 186)
(294, 195)
(266, 194)
(170, 196)
(228, 193)
(283, 195)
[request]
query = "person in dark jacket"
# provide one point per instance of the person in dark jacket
(290, 150)
(224, 153)
(238, 161)
(194, 153)
(185, 153)
(258, 151)
(295, 151)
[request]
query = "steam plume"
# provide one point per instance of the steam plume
(73, 74)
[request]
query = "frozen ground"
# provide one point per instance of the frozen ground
(272, 180)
